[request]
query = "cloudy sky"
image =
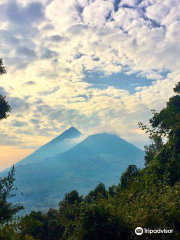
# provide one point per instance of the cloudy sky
(93, 64)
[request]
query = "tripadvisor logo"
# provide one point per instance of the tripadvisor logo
(139, 231)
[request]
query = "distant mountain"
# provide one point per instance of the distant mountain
(99, 158)
(68, 134)
(60, 144)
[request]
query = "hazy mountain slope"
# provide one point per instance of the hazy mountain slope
(98, 158)
(60, 144)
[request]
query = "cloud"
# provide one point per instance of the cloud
(35, 121)
(19, 124)
(19, 32)
(97, 12)
(47, 27)
(55, 38)
(2, 91)
(25, 51)
(50, 91)
(22, 15)
(30, 83)
(18, 104)
(9, 38)
(6, 140)
(47, 53)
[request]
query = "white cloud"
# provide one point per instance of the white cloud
(97, 12)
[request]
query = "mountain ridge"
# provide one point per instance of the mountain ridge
(98, 158)
(71, 132)
(59, 144)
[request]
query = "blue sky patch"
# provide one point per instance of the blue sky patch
(117, 80)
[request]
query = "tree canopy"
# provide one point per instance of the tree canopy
(7, 209)
(2, 68)
(4, 106)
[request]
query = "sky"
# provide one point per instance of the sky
(100, 66)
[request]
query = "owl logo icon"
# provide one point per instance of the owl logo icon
(138, 231)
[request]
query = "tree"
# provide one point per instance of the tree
(166, 124)
(4, 106)
(72, 197)
(2, 68)
(98, 222)
(128, 176)
(7, 209)
(177, 88)
(55, 227)
(153, 149)
(98, 193)
(35, 225)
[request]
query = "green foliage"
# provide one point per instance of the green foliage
(7, 209)
(128, 177)
(4, 106)
(153, 149)
(2, 68)
(72, 197)
(7, 233)
(99, 221)
(165, 124)
(10, 233)
(34, 225)
(177, 88)
(41, 226)
(98, 193)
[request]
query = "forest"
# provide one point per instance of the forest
(147, 198)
